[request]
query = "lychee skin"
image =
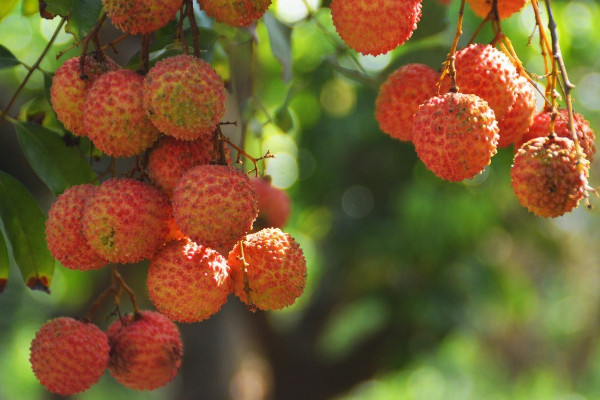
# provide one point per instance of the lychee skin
(455, 135)
(400, 96)
(115, 118)
(126, 220)
(276, 269)
(69, 90)
(506, 8)
(184, 97)
(274, 205)
(375, 26)
(237, 13)
(541, 127)
(519, 117)
(64, 233)
(170, 158)
(188, 282)
(546, 178)
(141, 16)
(214, 205)
(145, 350)
(68, 356)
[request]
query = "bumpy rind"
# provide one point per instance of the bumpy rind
(235, 12)
(141, 16)
(506, 8)
(519, 117)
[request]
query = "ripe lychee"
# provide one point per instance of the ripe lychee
(506, 8)
(69, 89)
(145, 350)
(275, 269)
(547, 176)
(188, 282)
(400, 96)
(214, 205)
(141, 16)
(519, 117)
(68, 356)
(126, 220)
(274, 204)
(235, 12)
(184, 97)
(375, 27)
(64, 233)
(541, 126)
(455, 135)
(115, 118)
(170, 158)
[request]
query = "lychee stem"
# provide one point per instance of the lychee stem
(144, 55)
(193, 26)
(93, 35)
(449, 65)
(241, 152)
(251, 306)
(179, 33)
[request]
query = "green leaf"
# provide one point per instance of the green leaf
(57, 7)
(84, 15)
(7, 59)
(22, 223)
(280, 36)
(58, 165)
(30, 7)
(6, 7)
(4, 263)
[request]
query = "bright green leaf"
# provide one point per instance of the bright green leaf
(59, 7)
(22, 223)
(4, 263)
(30, 7)
(84, 16)
(7, 59)
(58, 165)
(6, 7)
(280, 36)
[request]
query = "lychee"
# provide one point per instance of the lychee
(64, 233)
(506, 8)
(519, 117)
(188, 282)
(170, 158)
(274, 273)
(547, 176)
(141, 16)
(126, 220)
(400, 96)
(69, 89)
(274, 205)
(455, 135)
(115, 118)
(235, 12)
(214, 205)
(375, 26)
(145, 350)
(68, 356)
(184, 97)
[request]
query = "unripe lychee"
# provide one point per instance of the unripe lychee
(375, 26)
(519, 117)
(184, 97)
(69, 89)
(126, 220)
(541, 127)
(273, 205)
(68, 356)
(141, 16)
(145, 350)
(506, 8)
(214, 205)
(115, 119)
(188, 282)
(455, 135)
(235, 12)
(400, 96)
(483, 70)
(547, 176)
(170, 158)
(64, 233)
(275, 269)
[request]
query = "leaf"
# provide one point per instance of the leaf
(30, 7)
(6, 7)
(22, 224)
(84, 15)
(4, 263)
(280, 36)
(7, 59)
(56, 7)
(57, 165)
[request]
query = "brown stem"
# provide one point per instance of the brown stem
(92, 36)
(179, 31)
(241, 152)
(449, 66)
(251, 306)
(194, 27)
(117, 276)
(545, 47)
(144, 55)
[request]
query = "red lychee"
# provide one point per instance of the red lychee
(68, 356)
(145, 350)
(375, 26)
(188, 282)
(455, 135)
(126, 220)
(275, 269)
(214, 205)
(69, 89)
(547, 176)
(115, 118)
(519, 117)
(141, 16)
(400, 96)
(235, 12)
(184, 97)
(506, 8)
(273, 205)
(64, 233)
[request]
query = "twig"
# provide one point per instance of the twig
(194, 27)
(251, 306)
(449, 66)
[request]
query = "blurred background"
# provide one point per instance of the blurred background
(418, 289)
